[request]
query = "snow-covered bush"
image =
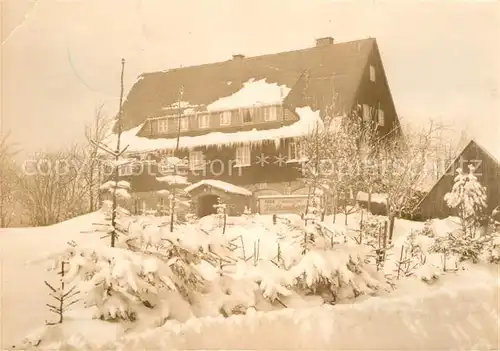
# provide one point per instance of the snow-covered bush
(373, 233)
(491, 249)
(466, 243)
(414, 252)
(468, 199)
(336, 274)
(332, 268)
(460, 245)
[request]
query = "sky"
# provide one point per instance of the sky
(61, 58)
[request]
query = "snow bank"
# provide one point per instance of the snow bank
(308, 120)
(24, 294)
(227, 187)
(253, 93)
(465, 318)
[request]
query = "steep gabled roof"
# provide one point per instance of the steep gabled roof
(492, 151)
(337, 67)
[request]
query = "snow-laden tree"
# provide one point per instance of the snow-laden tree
(468, 199)
(172, 169)
(402, 167)
(334, 268)
(221, 213)
(334, 157)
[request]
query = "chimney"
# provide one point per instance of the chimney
(238, 57)
(324, 41)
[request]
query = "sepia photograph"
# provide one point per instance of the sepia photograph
(249, 175)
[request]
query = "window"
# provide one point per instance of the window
(247, 116)
(295, 151)
(366, 112)
(204, 120)
(126, 169)
(270, 113)
(243, 156)
(196, 160)
(235, 115)
(381, 118)
(225, 118)
(162, 125)
(184, 123)
(162, 202)
(372, 73)
(139, 206)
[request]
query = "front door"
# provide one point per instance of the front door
(206, 205)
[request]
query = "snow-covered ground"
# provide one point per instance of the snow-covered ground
(459, 310)
(23, 291)
(462, 316)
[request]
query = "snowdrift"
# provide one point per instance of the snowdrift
(463, 318)
(24, 294)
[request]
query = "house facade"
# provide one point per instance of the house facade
(486, 162)
(240, 121)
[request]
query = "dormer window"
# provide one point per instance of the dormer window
(162, 126)
(204, 120)
(225, 118)
(270, 113)
(235, 115)
(372, 73)
(247, 115)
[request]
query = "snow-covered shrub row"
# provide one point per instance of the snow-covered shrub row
(462, 319)
(153, 275)
(471, 239)
(436, 249)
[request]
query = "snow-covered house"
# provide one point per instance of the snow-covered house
(486, 161)
(239, 121)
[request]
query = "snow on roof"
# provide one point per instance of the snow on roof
(173, 179)
(227, 187)
(253, 93)
(179, 105)
(489, 147)
(375, 197)
(308, 121)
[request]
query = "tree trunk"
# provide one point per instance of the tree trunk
(369, 204)
(99, 180)
(391, 227)
(91, 189)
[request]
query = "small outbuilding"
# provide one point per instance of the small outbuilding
(207, 193)
(487, 170)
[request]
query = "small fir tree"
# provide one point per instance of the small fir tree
(64, 297)
(221, 209)
(468, 199)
